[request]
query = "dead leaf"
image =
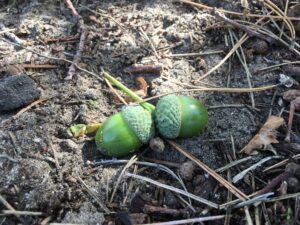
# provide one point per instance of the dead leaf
(266, 135)
(291, 95)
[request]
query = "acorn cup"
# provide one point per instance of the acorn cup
(125, 132)
(180, 116)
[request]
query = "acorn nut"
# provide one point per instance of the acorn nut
(125, 132)
(180, 116)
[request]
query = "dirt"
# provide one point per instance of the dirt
(49, 161)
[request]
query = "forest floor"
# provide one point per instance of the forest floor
(48, 176)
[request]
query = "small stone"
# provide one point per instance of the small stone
(260, 47)
(293, 185)
(170, 200)
(292, 167)
(17, 91)
(157, 145)
(187, 170)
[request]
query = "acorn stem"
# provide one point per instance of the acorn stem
(128, 92)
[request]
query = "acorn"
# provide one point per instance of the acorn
(180, 116)
(125, 131)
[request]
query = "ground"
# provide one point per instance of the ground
(51, 169)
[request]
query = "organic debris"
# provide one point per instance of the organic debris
(266, 135)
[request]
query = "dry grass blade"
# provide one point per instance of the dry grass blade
(188, 221)
(281, 163)
(243, 61)
(21, 213)
(129, 163)
(243, 173)
(230, 53)
(202, 6)
(228, 90)
(277, 65)
(94, 195)
(233, 50)
(234, 190)
(115, 92)
(177, 190)
(30, 106)
(278, 11)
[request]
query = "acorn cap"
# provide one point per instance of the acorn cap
(180, 116)
(168, 117)
(140, 121)
(125, 131)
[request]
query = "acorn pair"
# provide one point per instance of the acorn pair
(174, 116)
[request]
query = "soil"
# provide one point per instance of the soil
(49, 163)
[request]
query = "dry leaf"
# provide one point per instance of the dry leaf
(266, 135)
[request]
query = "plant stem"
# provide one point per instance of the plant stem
(128, 92)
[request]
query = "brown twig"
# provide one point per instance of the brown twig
(150, 209)
(63, 39)
(247, 29)
(274, 182)
(82, 29)
(58, 170)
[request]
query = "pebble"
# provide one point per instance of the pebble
(187, 170)
(17, 91)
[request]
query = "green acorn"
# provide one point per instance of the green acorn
(180, 116)
(125, 132)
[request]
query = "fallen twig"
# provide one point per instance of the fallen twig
(8, 158)
(274, 182)
(82, 29)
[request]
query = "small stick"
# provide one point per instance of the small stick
(150, 209)
(64, 39)
(8, 158)
(82, 29)
(274, 182)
